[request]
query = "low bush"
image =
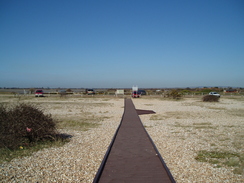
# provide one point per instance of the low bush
(24, 125)
(174, 94)
(210, 98)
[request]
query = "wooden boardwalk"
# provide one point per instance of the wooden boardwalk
(132, 156)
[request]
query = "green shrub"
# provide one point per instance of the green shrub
(174, 94)
(210, 98)
(24, 125)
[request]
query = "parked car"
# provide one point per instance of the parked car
(62, 93)
(215, 94)
(135, 94)
(39, 93)
(141, 92)
(90, 92)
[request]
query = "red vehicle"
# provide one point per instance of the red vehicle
(135, 94)
(39, 93)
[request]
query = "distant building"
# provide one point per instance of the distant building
(230, 91)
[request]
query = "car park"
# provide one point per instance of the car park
(39, 93)
(215, 94)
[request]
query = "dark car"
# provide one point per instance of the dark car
(39, 93)
(90, 92)
(141, 92)
(135, 94)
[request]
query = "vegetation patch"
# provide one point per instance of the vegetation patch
(172, 114)
(203, 126)
(100, 104)
(195, 126)
(238, 141)
(237, 112)
(106, 99)
(157, 117)
(145, 126)
(25, 123)
(219, 159)
(206, 123)
(148, 104)
(8, 154)
(182, 126)
(217, 108)
(77, 125)
(175, 132)
(174, 94)
(81, 122)
(210, 98)
(26, 129)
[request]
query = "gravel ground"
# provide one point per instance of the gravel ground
(179, 129)
(182, 128)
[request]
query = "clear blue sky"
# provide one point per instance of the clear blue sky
(118, 44)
